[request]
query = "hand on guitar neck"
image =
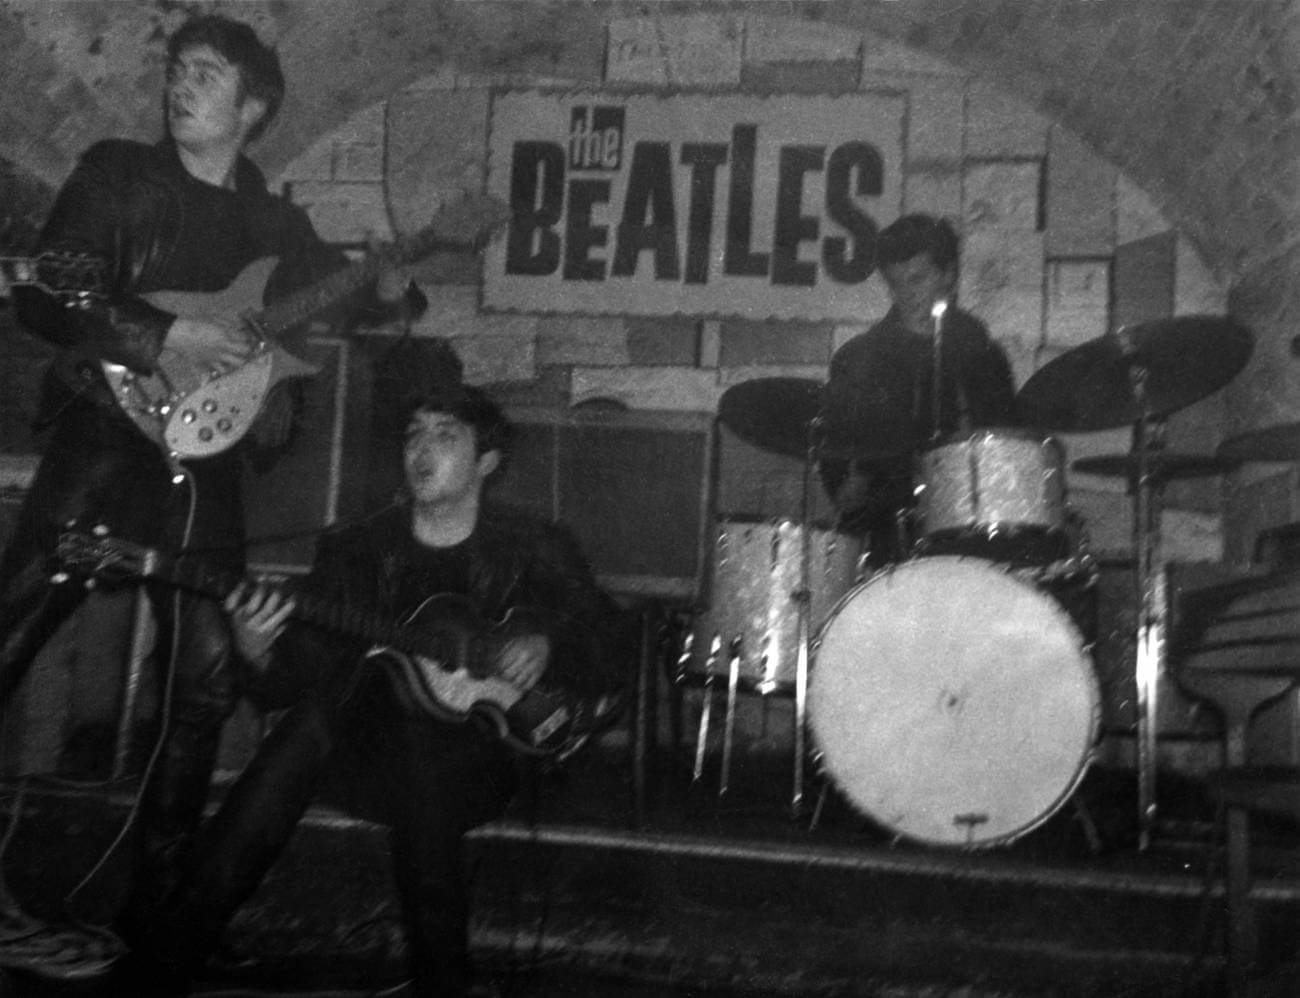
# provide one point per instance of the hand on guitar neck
(214, 345)
(260, 612)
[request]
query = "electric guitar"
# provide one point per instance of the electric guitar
(443, 656)
(190, 412)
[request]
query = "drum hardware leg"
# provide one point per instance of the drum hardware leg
(1088, 824)
(706, 708)
(800, 706)
(970, 822)
(729, 723)
(1148, 435)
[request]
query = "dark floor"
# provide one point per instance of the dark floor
(709, 896)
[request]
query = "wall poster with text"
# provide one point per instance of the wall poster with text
(719, 204)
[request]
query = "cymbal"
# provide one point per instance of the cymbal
(772, 413)
(1089, 388)
(1160, 464)
(1273, 443)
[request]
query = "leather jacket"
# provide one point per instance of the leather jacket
(515, 560)
(150, 226)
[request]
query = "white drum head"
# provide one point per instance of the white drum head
(953, 703)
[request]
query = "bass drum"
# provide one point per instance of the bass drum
(953, 703)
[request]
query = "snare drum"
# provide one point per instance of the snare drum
(998, 493)
(754, 597)
(953, 703)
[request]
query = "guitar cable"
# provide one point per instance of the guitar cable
(84, 950)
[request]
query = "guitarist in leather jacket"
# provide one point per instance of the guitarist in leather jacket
(186, 214)
(354, 729)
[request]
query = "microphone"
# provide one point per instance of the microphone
(937, 311)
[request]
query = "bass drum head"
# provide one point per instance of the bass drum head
(953, 703)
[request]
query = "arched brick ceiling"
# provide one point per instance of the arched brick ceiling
(1194, 99)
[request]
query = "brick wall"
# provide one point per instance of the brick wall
(1059, 245)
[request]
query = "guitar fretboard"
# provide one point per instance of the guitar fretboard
(330, 615)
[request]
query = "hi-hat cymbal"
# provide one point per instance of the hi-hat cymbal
(1160, 464)
(775, 414)
(1091, 387)
(1273, 443)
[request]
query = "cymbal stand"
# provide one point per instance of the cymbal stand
(1152, 622)
(804, 627)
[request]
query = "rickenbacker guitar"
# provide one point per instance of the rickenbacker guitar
(442, 657)
(190, 412)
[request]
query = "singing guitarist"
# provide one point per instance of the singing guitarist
(428, 779)
(187, 214)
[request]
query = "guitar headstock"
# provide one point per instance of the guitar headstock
(98, 555)
(466, 223)
(55, 273)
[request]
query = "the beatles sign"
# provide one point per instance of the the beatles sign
(645, 204)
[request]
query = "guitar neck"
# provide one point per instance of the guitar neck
(330, 615)
(301, 305)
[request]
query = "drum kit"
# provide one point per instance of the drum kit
(951, 697)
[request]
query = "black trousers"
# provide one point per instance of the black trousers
(428, 782)
(99, 469)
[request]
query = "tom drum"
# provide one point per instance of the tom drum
(994, 489)
(754, 589)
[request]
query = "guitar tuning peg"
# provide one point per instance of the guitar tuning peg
(59, 578)
(100, 530)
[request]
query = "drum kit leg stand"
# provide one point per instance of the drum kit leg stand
(758, 631)
(1139, 375)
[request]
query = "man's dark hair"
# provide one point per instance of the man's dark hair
(473, 407)
(258, 64)
(912, 235)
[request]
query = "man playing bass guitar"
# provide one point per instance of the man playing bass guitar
(357, 728)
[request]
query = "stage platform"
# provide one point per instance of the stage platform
(710, 895)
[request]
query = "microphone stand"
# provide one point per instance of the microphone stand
(937, 311)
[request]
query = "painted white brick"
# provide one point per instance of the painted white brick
(934, 189)
(998, 124)
(729, 376)
(345, 213)
(935, 116)
(490, 358)
(670, 389)
(583, 340)
(316, 163)
(790, 39)
(359, 161)
(1001, 196)
(1136, 215)
(1195, 289)
(366, 127)
(436, 150)
(881, 56)
(1078, 301)
(842, 334)
(453, 312)
(686, 50)
(1002, 283)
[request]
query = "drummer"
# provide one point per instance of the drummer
(879, 410)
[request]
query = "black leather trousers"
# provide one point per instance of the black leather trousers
(98, 468)
(429, 784)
